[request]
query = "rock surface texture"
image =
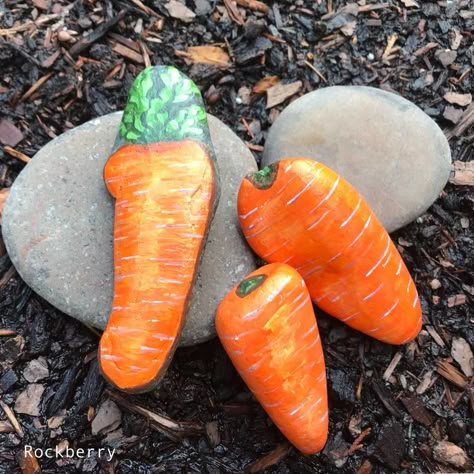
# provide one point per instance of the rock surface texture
(384, 145)
(58, 224)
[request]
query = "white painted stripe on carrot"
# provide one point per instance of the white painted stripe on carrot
(141, 191)
(409, 284)
(328, 196)
(352, 214)
(384, 315)
(335, 257)
(415, 301)
(321, 376)
(121, 238)
(367, 222)
(379, 261)
(319, 219)
(305, 188)
(310, 330)
(149, 349)
(301, 404)
(373, 293)
(337, 297)
(253, 367)
(323, 418)
(163, 337)
(244, 216)
(111, 357)
(276, 249)
(399, 268)
(389, 256)
(272, 405)
(351, 316)
(376, 329)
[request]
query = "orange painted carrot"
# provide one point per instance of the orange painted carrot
(300, 212)
(267, 326)
(163, 180)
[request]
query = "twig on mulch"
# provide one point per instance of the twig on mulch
(100, 31)
(174, 430)
(270, 459)
(16, 154)
(11, 416)
(449, 372)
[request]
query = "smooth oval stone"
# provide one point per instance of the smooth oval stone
(58, 225)
(384, 145)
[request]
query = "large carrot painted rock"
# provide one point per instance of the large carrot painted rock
(300, 212)
(162, 175)
(267, 326)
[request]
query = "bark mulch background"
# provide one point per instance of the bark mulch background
(402, 409)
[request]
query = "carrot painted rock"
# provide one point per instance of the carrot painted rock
(298, 211)
(163, 177)
(267, 325)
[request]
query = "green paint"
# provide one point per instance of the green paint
(163, 105)
(264, 178)
(250, 284)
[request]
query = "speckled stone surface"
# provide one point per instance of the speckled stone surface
(384, 145)
(58, 222)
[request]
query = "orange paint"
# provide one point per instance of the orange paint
(267, 326)
(302, 213)
(165, 195)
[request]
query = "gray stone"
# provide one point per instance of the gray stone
(58, 222)
(446, 56)
(385, 146)
(108, 418)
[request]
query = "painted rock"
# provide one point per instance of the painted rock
(58, 221)
(389, 149)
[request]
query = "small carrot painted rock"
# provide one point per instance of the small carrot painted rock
(267, 326)
(162, 175)
(302, 213)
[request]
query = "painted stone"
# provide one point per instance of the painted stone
(58, 225)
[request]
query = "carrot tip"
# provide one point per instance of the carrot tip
(264, 178)
(248, 285)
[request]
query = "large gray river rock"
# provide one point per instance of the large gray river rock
(389, 149)
(58, 222)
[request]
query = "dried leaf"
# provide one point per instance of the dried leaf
(280, 92)
(462, 173)
(410, 3)
(417, 410)
(462, 354)
(264, 84)
(3, 196)
(458, 99)
(206, 55)
(453, 114)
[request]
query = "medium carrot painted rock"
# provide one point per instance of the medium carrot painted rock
(163, 177)
(268, 328)
(302, 213)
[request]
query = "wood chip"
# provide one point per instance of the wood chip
(449, 453)
(365, 468)
(393, 365)
(456, 300)
(425, 49)
(50, 60)
(35, 87)
(180, 11)
(206, 55)
(432, 332)
(453, 114)
(233, 12)
(9, 133)
(449, 372)
(410, 3)
(390, 49)
(270, 459)
(426, 382)
(3, 197)
(17, 154)
(6, 427)
(127, 53)
(7, 332)
(264, 84)
(254, 5)
(459, 99)
(462, 173)
(417, 410)
(462, 354)
(10, 415)
(280, 92)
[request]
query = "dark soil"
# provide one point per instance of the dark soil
(420, 403)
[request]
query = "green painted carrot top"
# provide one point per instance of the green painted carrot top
(163, 105)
